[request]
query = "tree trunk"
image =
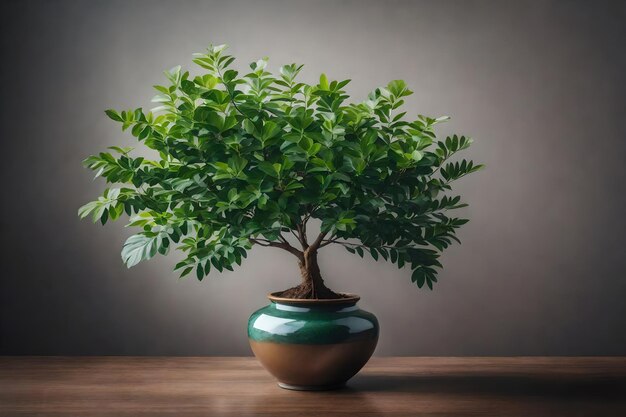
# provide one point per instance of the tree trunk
(312, 286)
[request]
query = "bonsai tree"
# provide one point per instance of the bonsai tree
(250, 160)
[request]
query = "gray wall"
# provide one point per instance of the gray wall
(539, 85)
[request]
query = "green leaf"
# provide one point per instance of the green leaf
(323, 82)
(249, 126)
(270, 169)
(418, 277)
(138, 248)
(85, 210)
(186, 271)
(270, 130)
(398, 88)
(113, 115)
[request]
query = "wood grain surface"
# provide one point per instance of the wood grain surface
(212, 386)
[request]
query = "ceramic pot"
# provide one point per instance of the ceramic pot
(313, 344)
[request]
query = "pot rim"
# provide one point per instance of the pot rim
(348, 299)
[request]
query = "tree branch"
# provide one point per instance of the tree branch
(302, 236)
(327, 242)
(260, 242)
(284, 246)
(315, 245)
(295, 235)
(304, 222)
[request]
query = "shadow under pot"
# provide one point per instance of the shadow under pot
(313, 344)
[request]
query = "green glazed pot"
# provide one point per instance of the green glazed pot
(313, 344)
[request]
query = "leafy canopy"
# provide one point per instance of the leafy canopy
(244, 160)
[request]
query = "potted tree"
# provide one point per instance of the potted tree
(251, 160)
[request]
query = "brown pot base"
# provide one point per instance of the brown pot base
(311, 387)
(313, 367)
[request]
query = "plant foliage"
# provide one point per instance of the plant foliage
(248, 159)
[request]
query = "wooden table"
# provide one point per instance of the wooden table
(211, 386)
